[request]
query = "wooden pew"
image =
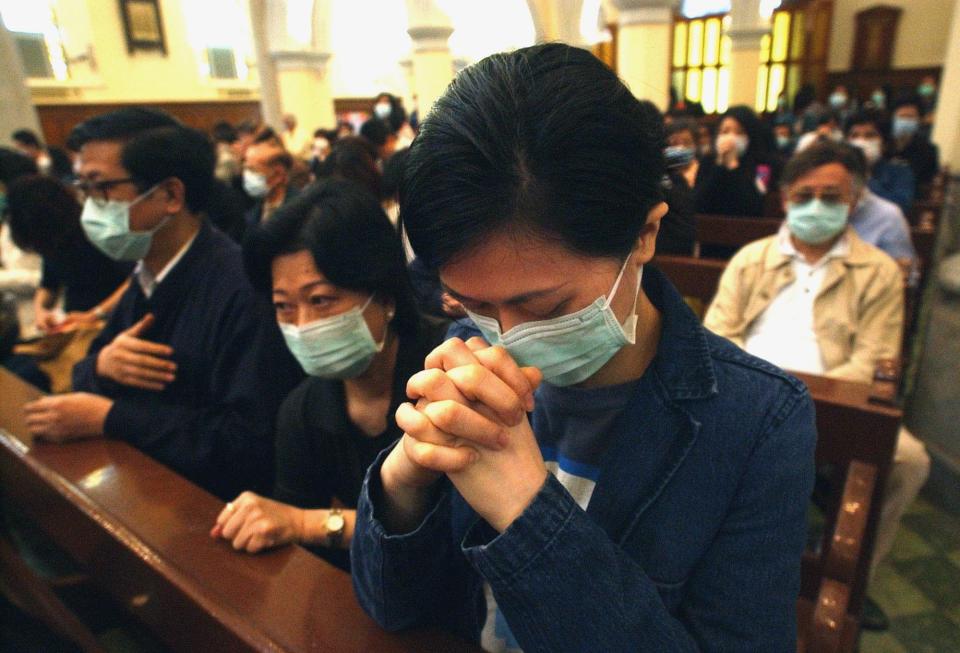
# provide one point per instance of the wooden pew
(857, 437)
(140, 532)
(730, 231)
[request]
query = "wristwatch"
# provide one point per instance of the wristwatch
(335, 526)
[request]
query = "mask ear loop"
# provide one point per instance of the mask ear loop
(636, 298)
(390, 314)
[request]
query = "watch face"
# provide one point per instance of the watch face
(335, 523)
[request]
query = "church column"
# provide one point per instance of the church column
(558, 20)
(299, 58)
(430, 29)
(16, 109)
(946, 133)
(747, 27)
(643, 47)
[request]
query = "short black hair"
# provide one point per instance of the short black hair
(910, 100)
(350, 238)
(223, 132)
(13, 165)
(376, 131)
(44, 214)
(678, 125)
(26, 137)
(393, 172)
(181, 152)
(120, 125)
(544, 140)
(354, 158)
(869, 116)
(823, 153)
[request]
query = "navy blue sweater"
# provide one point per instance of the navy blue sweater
(214, 423)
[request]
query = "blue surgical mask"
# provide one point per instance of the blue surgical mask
(338, 347)
(255, 184)
(837, 100)
(107, 226)
(926, 90)
(783, 142)
(3, 206)
(879, 99)
(816, 222)
(678, 156)
(568, 349)
(903, 127)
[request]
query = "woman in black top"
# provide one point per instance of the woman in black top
(45, 218)
(744, 170)
(335, 267)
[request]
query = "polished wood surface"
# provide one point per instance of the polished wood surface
(57, 120)
(141, 533)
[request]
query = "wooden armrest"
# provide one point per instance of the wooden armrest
(886, 382)
(829, 618)
(843, 555)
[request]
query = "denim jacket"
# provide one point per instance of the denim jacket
(691, 541)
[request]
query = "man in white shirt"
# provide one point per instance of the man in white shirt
(816, 298)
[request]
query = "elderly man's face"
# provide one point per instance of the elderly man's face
(831, 183)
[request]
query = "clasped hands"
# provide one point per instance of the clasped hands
(469, 421)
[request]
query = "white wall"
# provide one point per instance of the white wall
(922, 34)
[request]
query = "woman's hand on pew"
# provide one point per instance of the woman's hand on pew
(253, 523)
(131, 360)
(59, 418)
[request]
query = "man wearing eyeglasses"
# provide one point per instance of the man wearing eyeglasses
(816, 298)
(190, 367)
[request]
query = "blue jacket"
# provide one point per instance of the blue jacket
(893, 181)
(691, 541)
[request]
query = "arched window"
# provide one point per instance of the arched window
(36, 32)
(701, 61)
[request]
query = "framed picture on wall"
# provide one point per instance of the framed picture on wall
(142, 25)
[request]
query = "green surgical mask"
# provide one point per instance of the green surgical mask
(338, 347)
(568, 349)
(816, 221)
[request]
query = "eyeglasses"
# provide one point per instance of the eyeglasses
(98, 191)
(827, 197)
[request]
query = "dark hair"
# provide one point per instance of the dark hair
(376, 131)
(869, 116)
(247, 127)
(544, 140)
(26, 137)
(910, 100)
(350, 239)
(13, 165)
(823, 153)
(165, 152)
(759, 134)
(398, 115)
(44, 214)
(682, 125)
(267, 135)
(119, 125)
(353, 158)
(393, 172)
(224, 132)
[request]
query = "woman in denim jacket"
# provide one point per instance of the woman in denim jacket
(608, 476)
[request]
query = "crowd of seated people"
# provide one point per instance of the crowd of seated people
(272, 309)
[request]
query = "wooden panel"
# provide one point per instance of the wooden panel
(141, 533)
(56, 120)
(861, 84)
(876, 34)
(730, 231)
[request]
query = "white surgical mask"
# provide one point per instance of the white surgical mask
(872, 148)
(382, 110)
(255, 184)
(568, 349)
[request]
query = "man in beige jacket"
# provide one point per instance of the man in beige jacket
(816, 298)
